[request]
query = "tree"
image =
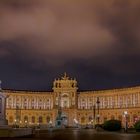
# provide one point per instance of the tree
(137, 126)
(112, 125)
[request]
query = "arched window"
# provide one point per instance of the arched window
(26, 119)
(48, 119)
(11, 119)
(33, 119)
(83, 120)
(40, 119)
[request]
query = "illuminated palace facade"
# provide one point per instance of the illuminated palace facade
(32, 108)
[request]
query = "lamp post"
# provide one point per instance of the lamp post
(93, 116)
(15, 124)
(126, 121)
(26, 123)
(98, 115)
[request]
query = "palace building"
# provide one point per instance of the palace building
(88, 107)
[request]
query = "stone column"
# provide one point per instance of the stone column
(3, 120)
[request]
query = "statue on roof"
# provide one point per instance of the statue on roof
(65, 77)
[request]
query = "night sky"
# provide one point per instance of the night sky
(95, 41)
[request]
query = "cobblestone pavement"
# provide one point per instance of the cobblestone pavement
(81, 134)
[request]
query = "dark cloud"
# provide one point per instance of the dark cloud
(56, 28)
(99, 40)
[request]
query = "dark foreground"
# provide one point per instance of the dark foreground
(83, 134)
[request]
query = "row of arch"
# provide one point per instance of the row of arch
(82, 120)
(32, 119)
(132, 118)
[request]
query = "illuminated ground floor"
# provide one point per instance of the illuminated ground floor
(72, 116)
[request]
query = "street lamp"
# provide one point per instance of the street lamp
(93, 115)
(126, 121)
(26, 123)
(15, 124)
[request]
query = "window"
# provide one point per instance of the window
(25, 118)
(33, 119)
(48, 119)
(11, 119)
(40, 119)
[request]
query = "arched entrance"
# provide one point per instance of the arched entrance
(25, 119)
(33, 119)
(48, 119)
(40, 119)
(11, 119)
(83, 120)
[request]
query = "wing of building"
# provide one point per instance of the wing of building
(33, 108)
